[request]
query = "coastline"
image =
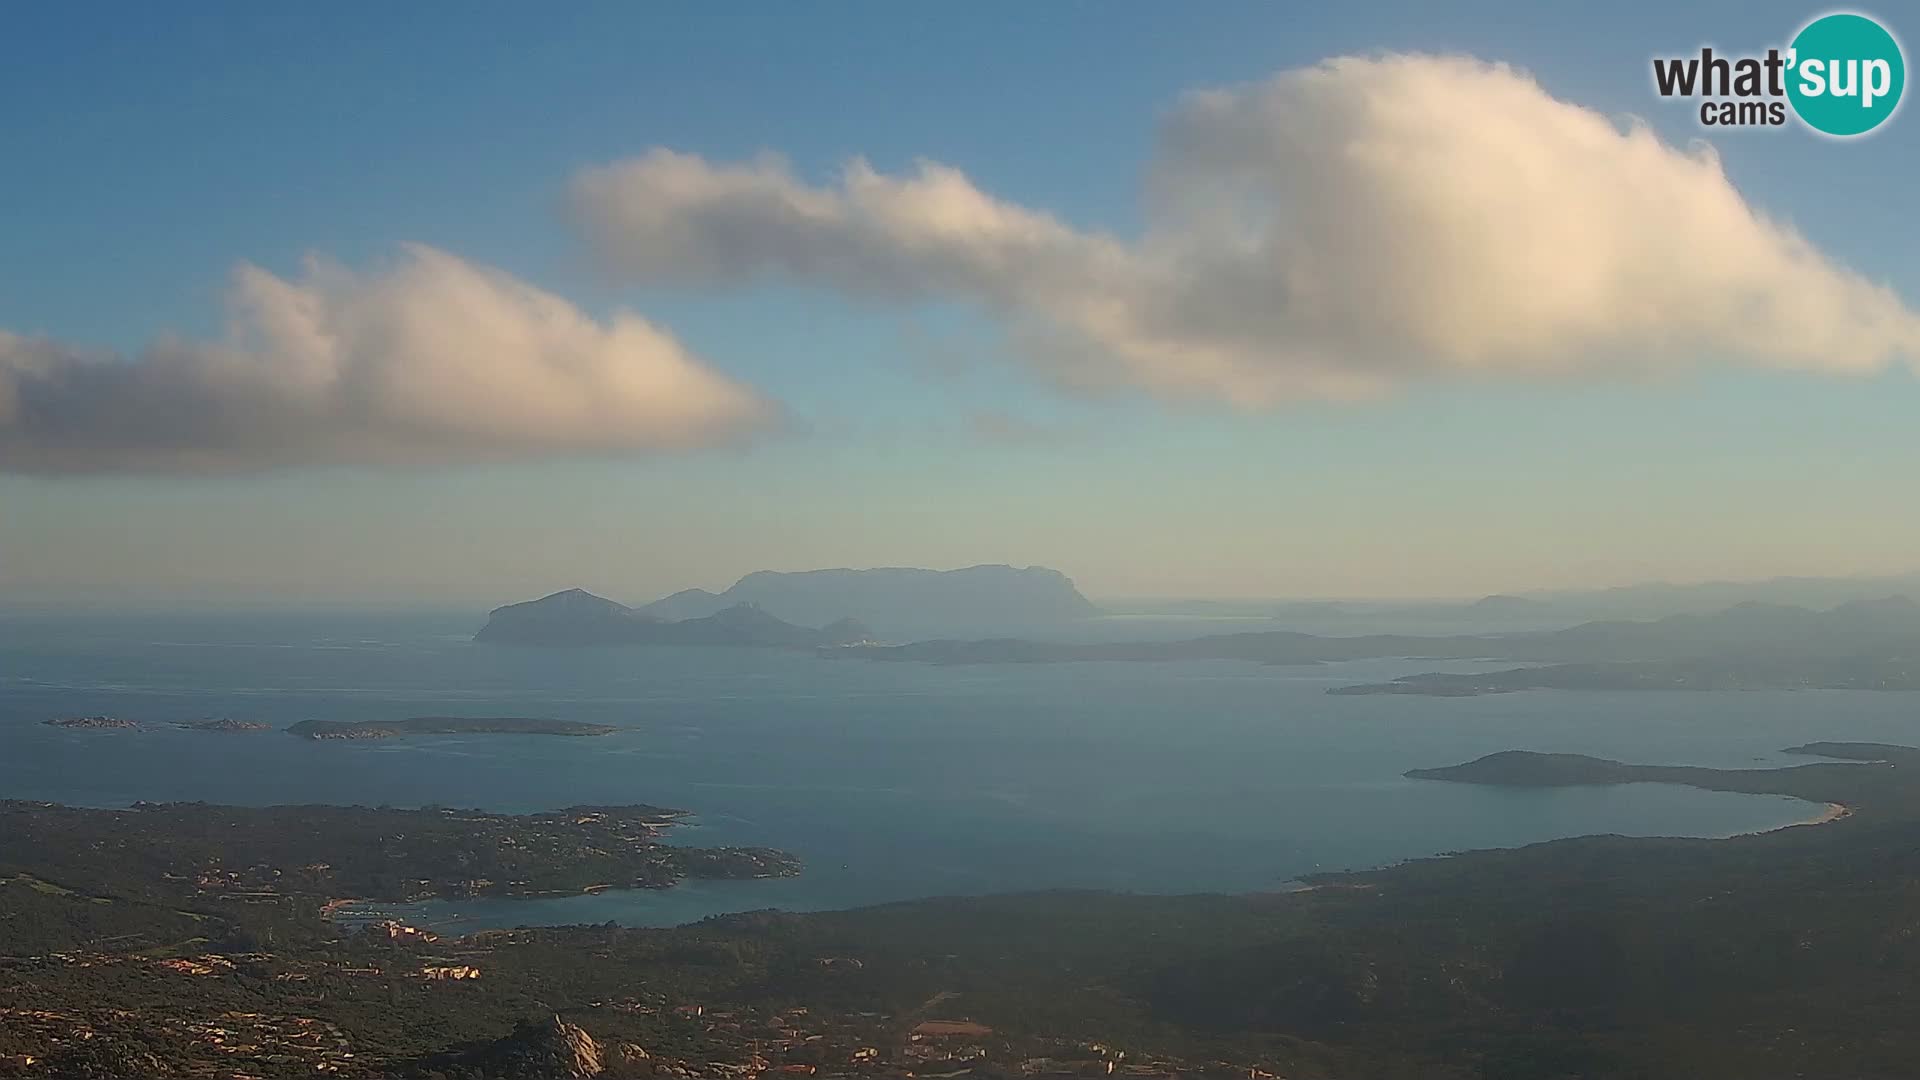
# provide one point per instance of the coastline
(472, 918)
(1831, 813)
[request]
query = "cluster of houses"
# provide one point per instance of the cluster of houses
(797, 1042)
(394, 930)
(215, 1043)
(196, 965)
(450, 973)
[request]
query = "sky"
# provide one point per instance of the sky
(458, 304)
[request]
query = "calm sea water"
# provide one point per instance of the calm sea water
(892, 781)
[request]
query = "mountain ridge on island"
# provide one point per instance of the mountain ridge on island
(575, 617)
(897, 600)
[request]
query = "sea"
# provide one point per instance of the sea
(891, 781)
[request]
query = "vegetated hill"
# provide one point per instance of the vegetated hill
(572, 617)
(898, 600)
(685, 604)
(579, 618)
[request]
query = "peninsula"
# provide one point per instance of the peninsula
(301, 857)
(1875, 776)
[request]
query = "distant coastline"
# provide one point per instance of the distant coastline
(1860, 645)
(444, 725)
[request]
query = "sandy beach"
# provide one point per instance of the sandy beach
(1834, 812)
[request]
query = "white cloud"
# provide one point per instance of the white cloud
(1332, 232)
(429, 360)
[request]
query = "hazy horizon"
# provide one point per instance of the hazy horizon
(372, 328)
(105, 601)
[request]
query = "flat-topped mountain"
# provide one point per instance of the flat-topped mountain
(897, 600)
(577, 618)
(1503, 604)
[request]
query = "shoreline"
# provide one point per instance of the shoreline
(1833, 812)
(1829, 813)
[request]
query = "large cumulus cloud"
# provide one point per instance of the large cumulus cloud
(430, 359)
(1334, 231)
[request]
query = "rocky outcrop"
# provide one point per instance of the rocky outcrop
(553, 1049)
(550, 1049)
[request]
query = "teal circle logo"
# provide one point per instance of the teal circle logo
(1846, 74)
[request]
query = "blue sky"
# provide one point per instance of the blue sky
(150, 150)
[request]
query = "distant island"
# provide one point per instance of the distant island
(579, 618)
(897, 601)
(1781, 673)
(93, 723)
(444, 725)
(1263, 647)
(809, 609)
(115, 723)
(223, 724)
(1865, 645)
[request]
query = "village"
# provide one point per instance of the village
(223, 1046)
(198, 1039)
(811, 1043)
